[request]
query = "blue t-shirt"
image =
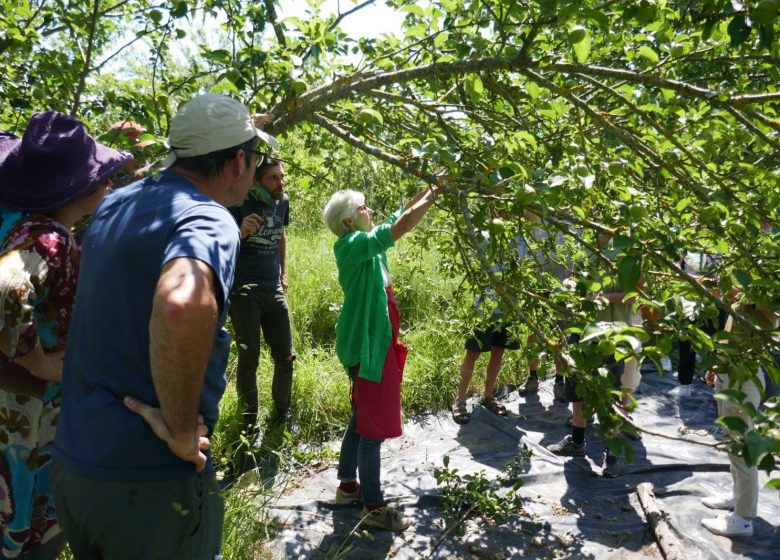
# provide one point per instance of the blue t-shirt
(134, 233)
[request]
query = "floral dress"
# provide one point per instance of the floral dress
(38, 272)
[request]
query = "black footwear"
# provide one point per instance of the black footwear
(610, 467)
(567, 448)
(286, 418)
(531, 386)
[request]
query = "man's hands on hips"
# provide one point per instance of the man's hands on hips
(190, 448)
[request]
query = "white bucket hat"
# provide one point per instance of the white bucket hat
(209, 123)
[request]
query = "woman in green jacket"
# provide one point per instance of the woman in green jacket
(367, 344)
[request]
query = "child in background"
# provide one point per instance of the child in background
(495, 340)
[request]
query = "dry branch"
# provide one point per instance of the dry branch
(670, 545)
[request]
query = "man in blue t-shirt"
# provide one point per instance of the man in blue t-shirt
(145, 365)
(258, 301)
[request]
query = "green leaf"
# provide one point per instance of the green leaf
(582, 49)
(179, 9)
(758, 446)
(594, 330)
(474, 87)
(629, 271)
(648, 53)
(698, 335)
(621, 242)
(638, 332)
(532, 89)
(413, 9)
(528, 138)
(738, 30)
(743, 277)
(221, 55)
(733, 423)
(599, 17)
(440, 40)
(773, 483)
(683, 204)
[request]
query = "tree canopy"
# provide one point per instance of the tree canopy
(637, 129)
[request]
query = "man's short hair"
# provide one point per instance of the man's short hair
(211, 165)
(265, 165)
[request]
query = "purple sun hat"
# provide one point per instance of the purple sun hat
(54, 163)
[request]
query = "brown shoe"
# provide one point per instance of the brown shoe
(460, 413)
(493, 406)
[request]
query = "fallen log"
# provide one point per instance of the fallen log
(665, 535)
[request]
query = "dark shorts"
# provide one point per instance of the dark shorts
(483, 341)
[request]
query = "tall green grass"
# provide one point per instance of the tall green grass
(431, 325)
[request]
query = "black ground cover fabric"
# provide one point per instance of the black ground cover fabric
(570, 510)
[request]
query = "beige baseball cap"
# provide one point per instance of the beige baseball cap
(209, 123)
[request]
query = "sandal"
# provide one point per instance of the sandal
(493, 406)
(459, 413)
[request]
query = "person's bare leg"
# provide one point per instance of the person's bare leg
(493, 369)
(577, 419)
(466, 371)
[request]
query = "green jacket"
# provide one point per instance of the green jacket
(363, 331)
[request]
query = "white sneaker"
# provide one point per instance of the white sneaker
(729, 525)
(721, 501)
(680, 391)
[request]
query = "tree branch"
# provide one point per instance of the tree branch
(274, 19)
(87, 59)
(339, 132)
(712, 96)
(293, 111)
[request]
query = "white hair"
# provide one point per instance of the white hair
(342, 206)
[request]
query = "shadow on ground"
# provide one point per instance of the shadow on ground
(569, 509)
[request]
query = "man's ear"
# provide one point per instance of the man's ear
(348, 222)
(238, 163)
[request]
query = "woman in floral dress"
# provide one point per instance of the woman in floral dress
(51, 177)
